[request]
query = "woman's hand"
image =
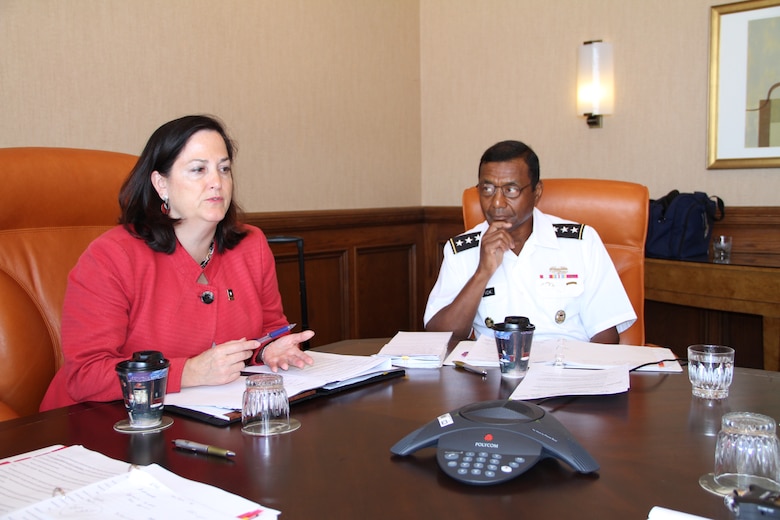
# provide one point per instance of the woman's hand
(285, 352)
(218, 365)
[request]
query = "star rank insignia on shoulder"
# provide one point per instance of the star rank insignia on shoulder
(569, 230)
(465, 241)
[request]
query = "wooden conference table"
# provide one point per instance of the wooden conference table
(652, 444)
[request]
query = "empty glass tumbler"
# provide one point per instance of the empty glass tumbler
(266, 410)
(747, 452)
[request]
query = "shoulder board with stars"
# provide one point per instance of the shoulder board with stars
(569, 230)
(464, 242)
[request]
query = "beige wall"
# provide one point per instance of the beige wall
(323, 96)
(506, 69)
(371, 103)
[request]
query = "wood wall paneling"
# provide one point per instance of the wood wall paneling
(754, 230)
(677, 326)
(385, 295)
(327, 291)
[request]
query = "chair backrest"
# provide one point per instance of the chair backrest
(618, 210)
(54, 202)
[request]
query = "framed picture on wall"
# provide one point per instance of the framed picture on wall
(744, 89)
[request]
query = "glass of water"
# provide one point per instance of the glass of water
(710, 370)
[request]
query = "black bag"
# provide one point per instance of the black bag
(680, 225)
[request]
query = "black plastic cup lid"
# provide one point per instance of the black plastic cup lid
(144, 360)
(515, 323)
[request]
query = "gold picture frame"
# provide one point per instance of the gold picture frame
(744, 88)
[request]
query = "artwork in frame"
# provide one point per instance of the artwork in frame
(744, 97)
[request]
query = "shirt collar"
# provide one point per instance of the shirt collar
(543, 233)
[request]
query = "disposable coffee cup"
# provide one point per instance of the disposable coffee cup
(513, 342)
(143, 380)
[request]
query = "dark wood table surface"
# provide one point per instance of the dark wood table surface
(652, 444)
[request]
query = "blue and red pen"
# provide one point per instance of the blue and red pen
(276, 333)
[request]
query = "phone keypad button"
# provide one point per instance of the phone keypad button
(481, 467)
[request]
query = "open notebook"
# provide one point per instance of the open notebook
(330, 373)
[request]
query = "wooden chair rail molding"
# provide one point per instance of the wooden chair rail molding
(369, 272)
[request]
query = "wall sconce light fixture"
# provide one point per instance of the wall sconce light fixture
(595, 82)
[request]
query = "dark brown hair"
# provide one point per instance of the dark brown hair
(140, 202)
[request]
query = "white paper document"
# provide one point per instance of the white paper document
(479, 353)
(74, 482)
(327, 370)
(609, 365)
(551, 381)
(662, 513)
(579, 354)
(417, 349)
(573, 354)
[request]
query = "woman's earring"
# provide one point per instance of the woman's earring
(164, 207)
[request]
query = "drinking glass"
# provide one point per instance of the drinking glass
(747, 452)
(710, 370)
(721, 249)
(266, 410)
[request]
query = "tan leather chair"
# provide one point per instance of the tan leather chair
(54, 202)
(617, 210)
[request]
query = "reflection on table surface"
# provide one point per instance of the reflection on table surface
(652, 444)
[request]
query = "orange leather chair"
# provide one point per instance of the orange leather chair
(617, 210)
(54, 202)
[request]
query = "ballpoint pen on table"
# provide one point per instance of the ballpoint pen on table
(470, 368)
(203, 448)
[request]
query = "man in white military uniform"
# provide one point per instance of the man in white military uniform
(522, 262)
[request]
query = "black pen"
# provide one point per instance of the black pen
(470, 368)
(203, 448)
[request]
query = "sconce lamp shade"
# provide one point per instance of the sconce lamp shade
(595, 79)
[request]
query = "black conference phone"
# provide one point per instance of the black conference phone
(493, 441)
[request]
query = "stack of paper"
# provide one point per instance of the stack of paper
(74, 482)
(417, 349)
(550, 381)
(568, 367)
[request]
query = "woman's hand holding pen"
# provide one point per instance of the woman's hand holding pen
(218, 365)
(285, 352)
